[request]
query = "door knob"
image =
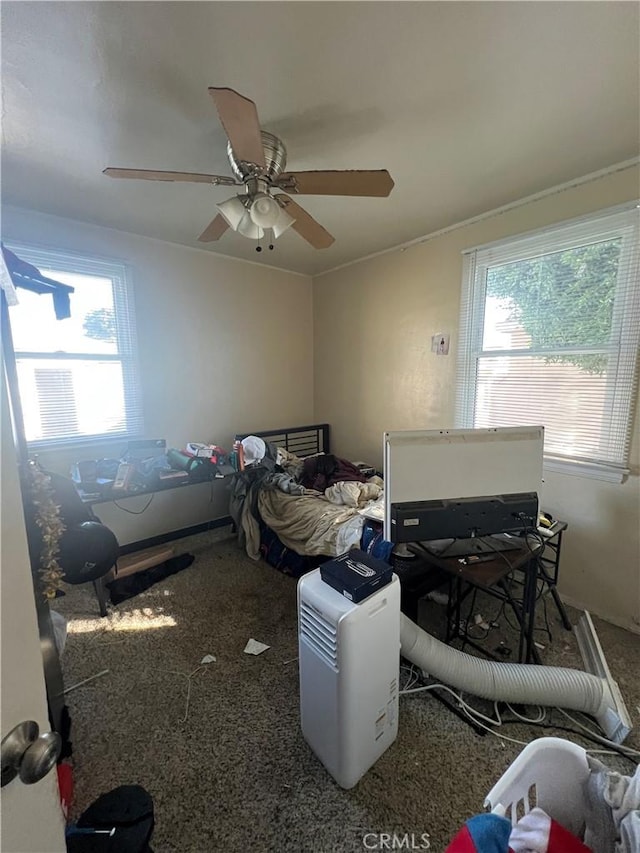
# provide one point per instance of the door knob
(28, 754)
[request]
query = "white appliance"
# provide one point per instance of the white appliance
(349, 670)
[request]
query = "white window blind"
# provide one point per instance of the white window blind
(77, 377)
(549, 334)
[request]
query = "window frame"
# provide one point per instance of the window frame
(126, 338)
(613, 223)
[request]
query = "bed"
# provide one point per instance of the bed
(302, 504)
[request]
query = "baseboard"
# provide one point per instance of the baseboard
(163, 538)
(620, 623)
(613, 716)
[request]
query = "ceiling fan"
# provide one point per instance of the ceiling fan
(258, 160)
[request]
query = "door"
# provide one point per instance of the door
(31, 819)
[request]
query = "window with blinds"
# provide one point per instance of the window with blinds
(549, 334)
(78, 377)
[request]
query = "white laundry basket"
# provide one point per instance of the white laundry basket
(551, 773)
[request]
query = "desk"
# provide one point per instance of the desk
(108, 495)
(131, 563)
(491, 577)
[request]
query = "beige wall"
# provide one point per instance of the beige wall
(374, 371)
(371, 366)
(218, 355)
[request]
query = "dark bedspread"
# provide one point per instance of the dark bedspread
(320, 472)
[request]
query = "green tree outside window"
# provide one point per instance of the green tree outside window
(563, 300)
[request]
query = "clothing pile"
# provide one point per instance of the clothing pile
(612, 823)
(313, 505)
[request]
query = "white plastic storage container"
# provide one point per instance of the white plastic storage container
(550, 773)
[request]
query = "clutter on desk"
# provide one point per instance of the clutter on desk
(202, 458)
(195, 466)
(147, 464)
(209, 451)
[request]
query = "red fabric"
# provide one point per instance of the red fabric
(536, 832)
(561, 841)
(65, 786)
(485, 833)
(462, 843)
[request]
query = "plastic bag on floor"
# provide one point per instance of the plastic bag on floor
(59, 625)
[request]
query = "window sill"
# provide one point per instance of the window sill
(591, 470)
(90, 445)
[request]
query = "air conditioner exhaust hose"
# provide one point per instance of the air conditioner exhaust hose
(507, 682)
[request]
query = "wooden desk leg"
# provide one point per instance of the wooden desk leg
(101, 595)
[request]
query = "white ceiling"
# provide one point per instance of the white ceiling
(468, 105)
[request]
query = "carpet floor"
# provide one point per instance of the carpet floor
(222, 753)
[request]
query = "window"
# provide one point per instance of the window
(77, 377)
(549, 334)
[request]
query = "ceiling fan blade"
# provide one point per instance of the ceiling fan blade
(305, 224)
(352, 182)
(187, 177)
(239, 117)
(214, 230)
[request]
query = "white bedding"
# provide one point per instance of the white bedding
(309, 522)
(314, 523)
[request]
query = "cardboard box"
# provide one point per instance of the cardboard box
(356, 575)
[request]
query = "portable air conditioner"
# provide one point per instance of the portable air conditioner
(349, 669)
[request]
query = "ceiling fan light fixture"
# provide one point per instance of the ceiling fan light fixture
(264, 211)
(233, 210)
(248, 228)
(283, 223)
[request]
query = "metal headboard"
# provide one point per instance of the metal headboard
(302, 440)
